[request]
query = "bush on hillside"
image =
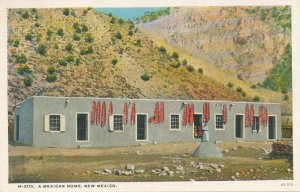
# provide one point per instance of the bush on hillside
(184, 62)
(76, 37)
(70, 59)
(87, 50)
(27, 81)
(230, 84)
(77, 61)
(256, 99)
(62, 63)
(200, 71)
(42, 49)
(28, 37)
(66, 11)
(20, 59)
(145, 77)
(138, 43)
(286, 97)
(190, 68)
(69, 47)
(37, 25)
(49, 33)
(51, 77)
(84, 28)
(25, 15)
(118, 35)
(113, 20)
(130, 32)
(51, 70)
(253, 86)
(114, 61)
(120, 21)
(60, 32)
(24, 70)
(175, 55)
(239, 89)
(89, 38)
(243, 93)
(162, 50)
(16, 43)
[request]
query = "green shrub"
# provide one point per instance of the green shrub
(70, 59)
(253, 86)
(200, 71)
(36, 24)
(16, 43)
(76, 37)
(283, 90)
(60, 32)
(175, 55)
(84, 28)
(28, 37)
(75, 25)
(130, 33)
(42, 49)
(256, 99)
(66, 11)
(230, 84)
(113, 20)
(20, 58)
(56, 46)
(27, 81)
(286, 97)
(138, 43)
(51, 77)
(118, 35)
(25, 15)
(89, 38)
(145, 77)
(73, 13)
(77, 61)
(69, 47)
(51, 70)
(78, 29)
(184, 62)
(49, 33)
(114, 61)
(62, 62)
(87, 50)
(34, 10)
(243, 93)
(162, 50)
(24, 70)
(190, 68)
(120, 21)
(239, 89)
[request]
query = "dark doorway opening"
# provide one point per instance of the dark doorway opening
(272, 127)
(82, 127)
(198, 125)
(141, 127)
(239, 126)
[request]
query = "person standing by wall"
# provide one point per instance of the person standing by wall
(205, 135)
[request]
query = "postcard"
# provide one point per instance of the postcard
(149, 96)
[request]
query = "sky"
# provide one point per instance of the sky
(128, 13)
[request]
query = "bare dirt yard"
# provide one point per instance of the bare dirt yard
(160, 162)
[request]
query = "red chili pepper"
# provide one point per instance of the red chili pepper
(98, 113)
(103, 122)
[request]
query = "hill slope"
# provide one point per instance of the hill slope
(83, 53)
(245, 40)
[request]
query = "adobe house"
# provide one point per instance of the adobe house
(84, 121)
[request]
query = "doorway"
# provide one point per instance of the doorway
(272, 127)
(239, 124)
(82, 127)
(198, 125)
(141, 127)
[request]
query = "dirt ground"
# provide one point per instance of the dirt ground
(241, 161)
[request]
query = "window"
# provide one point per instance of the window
(219, 122)
(118, 122)
(54, 122)
(256, 124)
(175, 122)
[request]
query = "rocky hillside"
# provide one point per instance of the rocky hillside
(247, 41)
(78, 52)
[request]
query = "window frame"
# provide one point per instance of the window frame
(170, 125)
(122, 122)
(215, 123)
(50, 122)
